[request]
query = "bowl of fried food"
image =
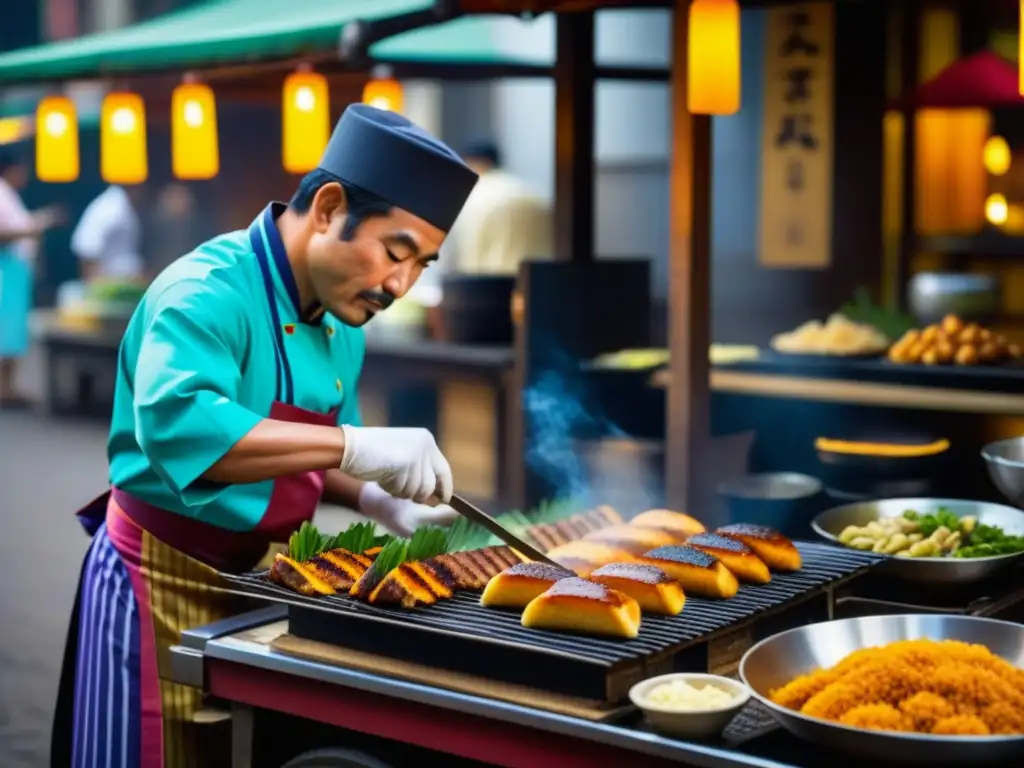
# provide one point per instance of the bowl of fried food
(921, 688)
(933, 541)
(953, 342)
(837, 337)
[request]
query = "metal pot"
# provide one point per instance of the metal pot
(933, 295)
(786, 501)
(475, 309)
(627, 473)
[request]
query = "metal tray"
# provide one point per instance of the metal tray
(928, 570)
(774, 662)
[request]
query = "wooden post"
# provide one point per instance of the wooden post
(574, 137)
(910, 54)
(687, 399)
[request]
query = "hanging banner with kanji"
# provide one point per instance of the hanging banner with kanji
(797, 137)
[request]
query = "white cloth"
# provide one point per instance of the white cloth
(502, 223)
(109, 234)
(406, 462)
(401, 516)
(13, 216)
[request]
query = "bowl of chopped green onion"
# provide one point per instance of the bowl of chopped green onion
(930, 540)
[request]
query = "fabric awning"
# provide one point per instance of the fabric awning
(214, 33)
(469, 40)
(983, 80)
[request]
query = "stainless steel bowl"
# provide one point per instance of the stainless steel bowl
(931, 570)
(774, 662)
(1005, 463)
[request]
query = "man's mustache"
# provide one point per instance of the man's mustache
(383, 300)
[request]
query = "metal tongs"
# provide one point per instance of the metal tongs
(481, 518)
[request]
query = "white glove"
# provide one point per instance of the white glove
(405, 462)
(401, 516)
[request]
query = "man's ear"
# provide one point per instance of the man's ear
(328, 202)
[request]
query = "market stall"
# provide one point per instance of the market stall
(452, 678)
(216, 46)
(390, 639)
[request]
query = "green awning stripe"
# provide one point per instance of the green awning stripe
(216, 32)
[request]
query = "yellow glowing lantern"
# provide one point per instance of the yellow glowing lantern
(1020, 49)
(950, 182)
(123, 156)
(996, 209)
(14, 129)
(194, 149)
(306, 121)
(383, 92)
(996, 155)
(713, 50)
(57, 154)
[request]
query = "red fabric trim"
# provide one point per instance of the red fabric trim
(454, 733)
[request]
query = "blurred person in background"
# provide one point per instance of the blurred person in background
(172, 229)
(502, 223)
(235, 412)
(20, 231)
(108, 237)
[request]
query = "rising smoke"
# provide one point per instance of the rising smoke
(583, 455)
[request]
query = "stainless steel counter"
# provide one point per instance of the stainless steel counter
(246, 640)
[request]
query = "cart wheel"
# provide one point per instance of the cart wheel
(335, 758)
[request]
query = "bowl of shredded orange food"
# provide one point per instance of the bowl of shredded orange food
(937, 689)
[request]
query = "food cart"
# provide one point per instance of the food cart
(458, 683)
(452, 680)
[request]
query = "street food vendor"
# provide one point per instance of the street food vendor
(235, 410)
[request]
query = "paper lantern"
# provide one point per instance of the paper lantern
(996, 209)
(996, 155)
(951, 180)
(123, 158)
(383, 93)
(194, 149)
(14, 129)
(57, 153)
(306, 121)
(1020, 49)
(713, 51)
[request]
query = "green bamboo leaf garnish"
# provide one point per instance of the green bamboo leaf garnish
(357, 538)
(394, 553)
(304, 543)
(308, 542)
(425, 543)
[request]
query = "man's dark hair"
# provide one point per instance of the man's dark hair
(483, 150)
(361, 204)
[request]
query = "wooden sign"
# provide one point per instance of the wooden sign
(797, 137)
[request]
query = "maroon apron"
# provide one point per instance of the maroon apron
(293, 500)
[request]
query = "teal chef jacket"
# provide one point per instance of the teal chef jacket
(197, 370)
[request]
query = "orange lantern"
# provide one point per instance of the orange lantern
(306, 120)
(713, 58)
(57, 153)
(384, 92)
(1020, 49)
(996, 156)
(194, 147)
(950, 177)
(123, 158)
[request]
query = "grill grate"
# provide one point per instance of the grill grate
(462, 626)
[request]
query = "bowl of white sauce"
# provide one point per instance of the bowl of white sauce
(689, 705)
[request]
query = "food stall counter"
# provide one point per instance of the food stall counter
(236, 659)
